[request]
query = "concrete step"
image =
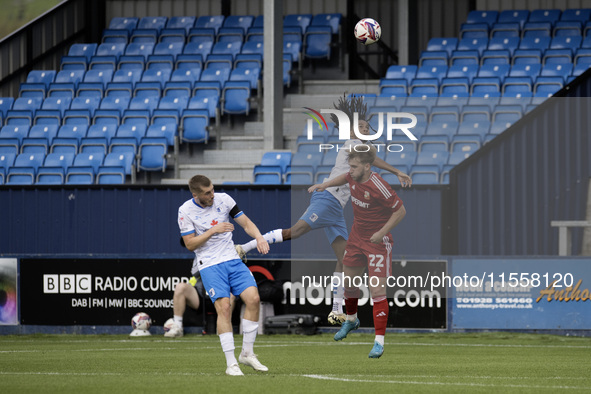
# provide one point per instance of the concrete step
(325, 87)
(233, 156)
(218, 173)
(242, 142)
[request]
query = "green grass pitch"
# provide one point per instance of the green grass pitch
(412, 363)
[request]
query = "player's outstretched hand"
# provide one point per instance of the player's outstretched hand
(317, 187)
(262, 245)
(223, 227)
(404, 179)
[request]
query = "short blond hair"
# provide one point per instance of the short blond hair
(365, 153)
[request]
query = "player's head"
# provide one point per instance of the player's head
(202, 190)
(351, 106)
(361, 159)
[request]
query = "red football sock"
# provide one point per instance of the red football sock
(351, 301)
(380, 315)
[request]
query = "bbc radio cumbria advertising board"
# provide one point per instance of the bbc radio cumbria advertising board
(102, 291)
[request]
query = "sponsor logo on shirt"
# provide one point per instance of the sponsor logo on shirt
(359, 202)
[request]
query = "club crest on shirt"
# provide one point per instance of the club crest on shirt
(366, 195)
(214, 222)
(313, 217)
(211, 292)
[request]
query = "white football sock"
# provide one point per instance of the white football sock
(249, 332)
(380, 339)
(178, 320)
(227, 340)
(272, 237)
(338, 291)
(352, 317)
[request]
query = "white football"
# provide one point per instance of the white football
(168, 324)
(141, 321)
(368, 31)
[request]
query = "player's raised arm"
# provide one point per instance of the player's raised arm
(251, 229)
(338, 181)
(403, 178)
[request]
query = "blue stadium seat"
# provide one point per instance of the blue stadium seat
(499, 71)
(181, 22)
(465, 58)
(526, 70)
(425, 174)
(457, 157)
(189, 62)
(545, 15)
(122, 90)
(568, 29)
(115, 103)
(184, 75)
(115, 36)
(313, 159)
(398, 72)
(517, 85)
(126, 160)
(474, 30)
(250, 75)
(504, 44)
(576, 14)
(68, 138)
(212, 22)
(25, 168)
(533, 30)
(298, 20)
(514, 16)
(93, 160)
(259, 21)
(434, 143)
(227, 48)
(495, 57)
(447, 44)
(473, 44)
(144, 103)
(433, 58)
(331, 20)
(438, 72)
(110, 175)
(41, 76)
(77, 175)
(299, 175)
(467, 143)
(255, 34)
(166, 128)
(60, 104)
(102, 131)
(205, 97)
(152, 154)
(239, 21)
(200, 35)
(541, 43)
(558, 56)
(123, 23)
(292, 34)
(557, 70)
(219, 61)
(97, 76)
(215, 75)
(267, 175)
(505, 30)
(54, 169)
(230, 34)
(317, 42)
(255, 47)
(153, 22)
(403, 158)
(194, 126)
(432, 158)
(488, 17)
(172, 35)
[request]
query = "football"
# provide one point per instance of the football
(141, 321)
(368, 31)
(168, 324)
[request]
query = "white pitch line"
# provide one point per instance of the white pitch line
(324, 377)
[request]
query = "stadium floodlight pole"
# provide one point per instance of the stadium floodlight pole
(403, 25)
(273, 75)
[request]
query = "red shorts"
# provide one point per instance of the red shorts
(376, 257)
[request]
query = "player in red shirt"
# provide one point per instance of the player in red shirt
(377, 209)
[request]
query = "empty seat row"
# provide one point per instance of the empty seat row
(490, 17)
(66, 168)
